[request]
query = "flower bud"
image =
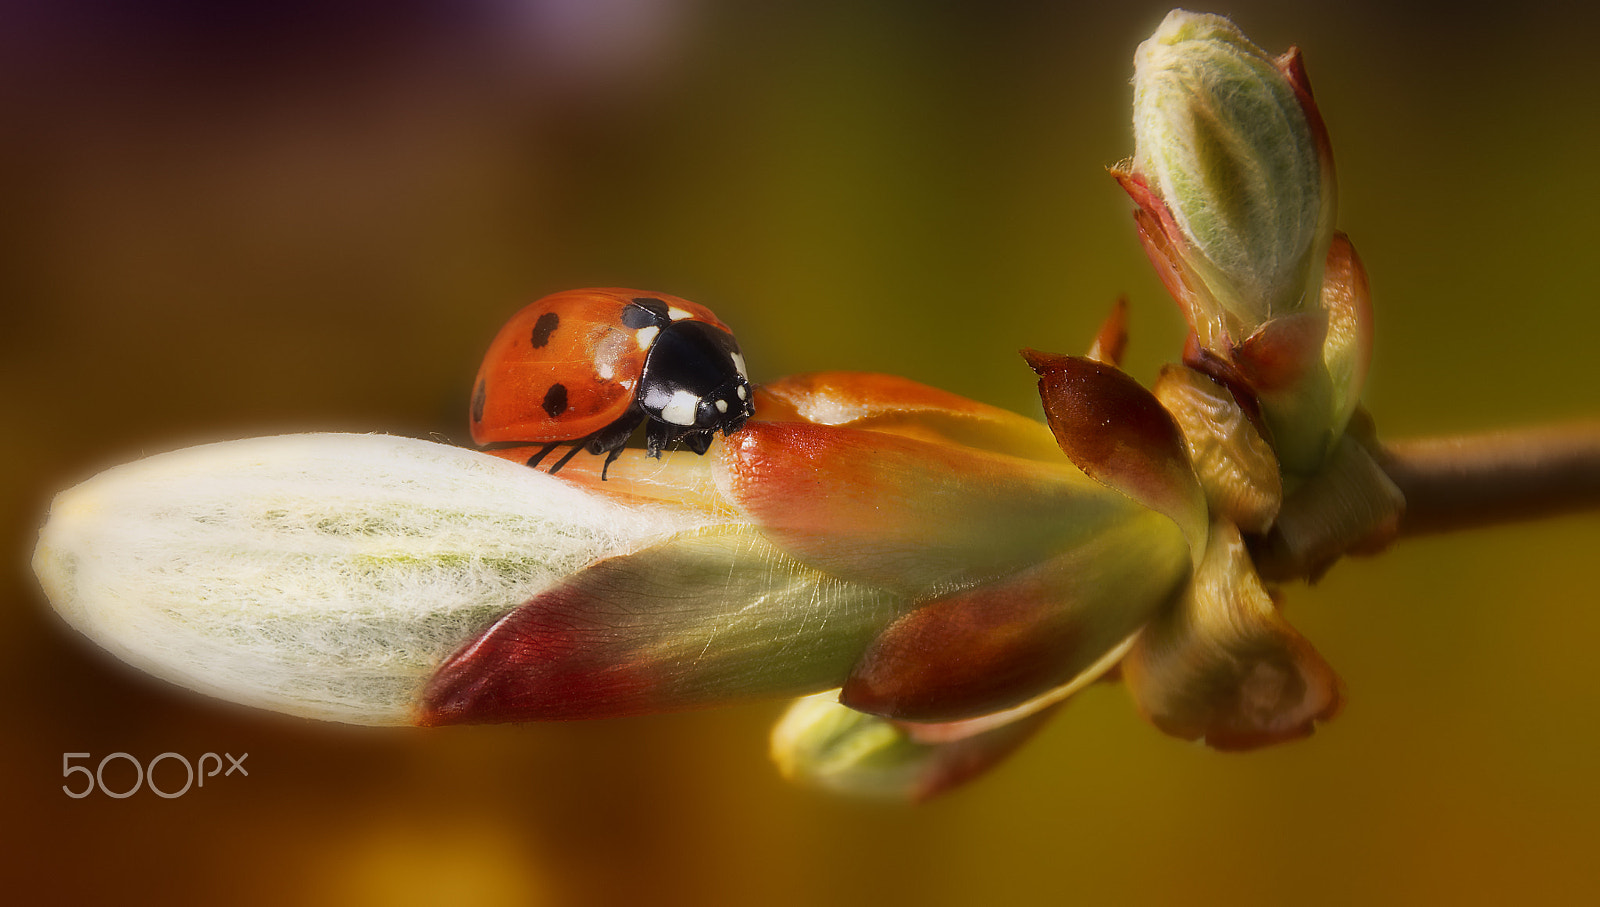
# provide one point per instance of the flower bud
(320, 575)
(822, 744)
(1231, 146)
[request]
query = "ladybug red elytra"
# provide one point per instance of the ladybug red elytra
(587, 367)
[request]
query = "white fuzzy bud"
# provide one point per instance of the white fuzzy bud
(322, 575)
(1222, 137)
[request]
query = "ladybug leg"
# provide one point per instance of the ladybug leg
(616, 434)
(544, 451)
(610, 457)
(659, 434)
(655, 439)
(568, 455)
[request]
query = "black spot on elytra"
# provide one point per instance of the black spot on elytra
(555, 400)
(643, 311)
(544, 327)
(477, 402)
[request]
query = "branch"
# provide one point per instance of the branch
(1433, 485)
(1503, 476)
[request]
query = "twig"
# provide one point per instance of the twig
(1356, 506)
(1479, 480)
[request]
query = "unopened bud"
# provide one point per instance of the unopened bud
(822, 744)
(1224, 140)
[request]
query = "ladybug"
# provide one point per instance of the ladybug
(587, 367)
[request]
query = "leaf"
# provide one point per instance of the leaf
(911, 515)
(1347, 298)
(1234, 463)
(895, 405)
(1118, 433)
(1350, 506)
(1225, 666)
(1111, 339)
(709, 618)
(1000, 644)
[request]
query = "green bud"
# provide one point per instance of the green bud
(822, 744)
(1223, 137)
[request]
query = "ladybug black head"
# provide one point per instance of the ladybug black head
(694, 380)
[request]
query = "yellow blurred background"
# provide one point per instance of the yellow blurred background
(223, 220)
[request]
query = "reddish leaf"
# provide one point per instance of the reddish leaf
(1000, 644)
(1111, 340)
(955, 763)
(1162, 240)
(889, 403)
(1117, 432)
(1283, 351)
(1228, 375)
(910, 515)
(1292, 64)
(701, 620)
(1347, 299)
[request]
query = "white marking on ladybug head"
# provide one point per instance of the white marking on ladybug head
(677, 314)
(742, 394)
(606, 371)
(738, 363)
(680, 410)
(646, 336)
(722, 406)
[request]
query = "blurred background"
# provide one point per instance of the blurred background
(222, 220)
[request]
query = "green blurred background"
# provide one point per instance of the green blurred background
(223, 220)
